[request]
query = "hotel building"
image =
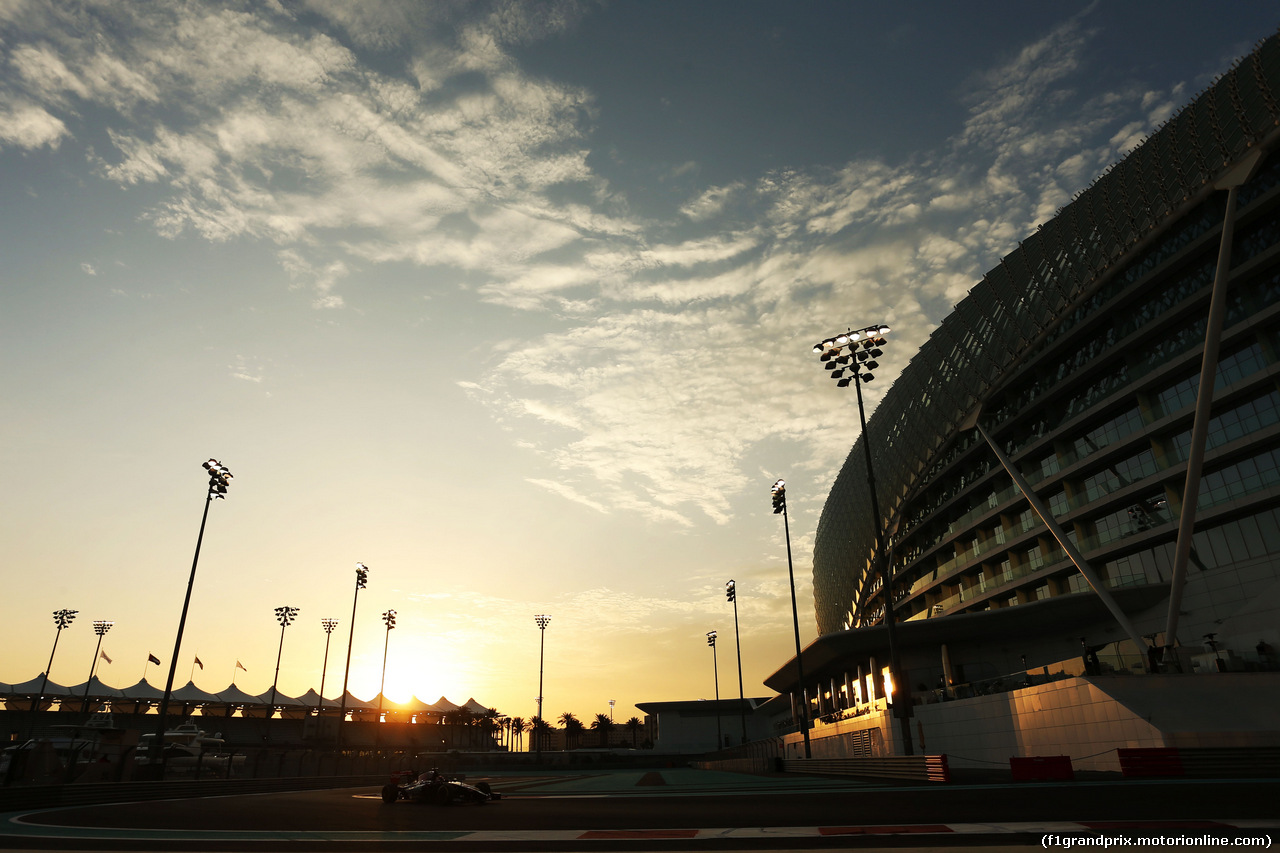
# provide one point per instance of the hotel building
(1032, 462)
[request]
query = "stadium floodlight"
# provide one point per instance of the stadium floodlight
(100, 627)
(864, 346)
(219, 479)
(362, 581)
(801, 704)
(542, 621)
(285, 616)
(328, 624)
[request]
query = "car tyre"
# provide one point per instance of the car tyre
(390, 793)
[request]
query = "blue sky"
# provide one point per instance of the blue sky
(511, 302)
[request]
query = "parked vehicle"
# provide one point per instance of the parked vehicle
(435, 788)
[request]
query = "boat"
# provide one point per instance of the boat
(187, 745)
(64, 753)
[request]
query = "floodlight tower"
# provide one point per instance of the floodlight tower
(100, 627)
(731, 593)
(285, 616)
(856, 352)
(328, 625)
(362, 581)
(779, 493)
(542, 621)
(219, 479)
(63, 619)
(715, 668)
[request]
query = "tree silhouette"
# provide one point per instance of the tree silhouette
(517, 726)
(634, 726)
(490, 723)
(539, 727)
(573, 729)
(603, 725)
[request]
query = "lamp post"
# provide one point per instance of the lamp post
(219, 478)
(779, 493)
(100, 627)
(389, 617)
(715, 668)
(285, 616)
(362, 580)
(731, 593)
(328, 625)
(856, 352)
(612, 702)
(542, 620)
(63, 619)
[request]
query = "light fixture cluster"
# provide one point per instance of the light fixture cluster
(219, 477)
(779, 492)
(64, 618)
(362, 576)
(542, 621)
(329, 625)
(863, 348)
(731, 589)
(390, 618)
(102, 626)
(711, 638)
(286, 615)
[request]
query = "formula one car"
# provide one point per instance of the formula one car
(435, 788)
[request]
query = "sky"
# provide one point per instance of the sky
(512, 302)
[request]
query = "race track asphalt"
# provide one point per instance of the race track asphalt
(663, 809)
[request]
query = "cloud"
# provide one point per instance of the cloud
(568, 493)
(680, 347)
(284, 135)
(26, 125)
(695, 354)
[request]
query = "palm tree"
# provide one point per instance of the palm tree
(539, 727)
(460, 717)
(603, 725)
(634, 726)
(518, 726)
(489, 722)
(573, 727)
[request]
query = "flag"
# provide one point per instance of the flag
(153, 659)
(199, 664)
(241, 666)
(103, 655)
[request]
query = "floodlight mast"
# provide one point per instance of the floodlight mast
(731, 593)
(63, 619)
(328, 624)
(100, 627)
(715, 668)
(362, 581)
(779, 493)
(219, 478)
(285, 616)
(542, 620)
(864, 347)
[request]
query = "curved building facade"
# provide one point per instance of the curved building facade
(1072, 370)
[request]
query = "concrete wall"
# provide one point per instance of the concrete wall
(1085, 718)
